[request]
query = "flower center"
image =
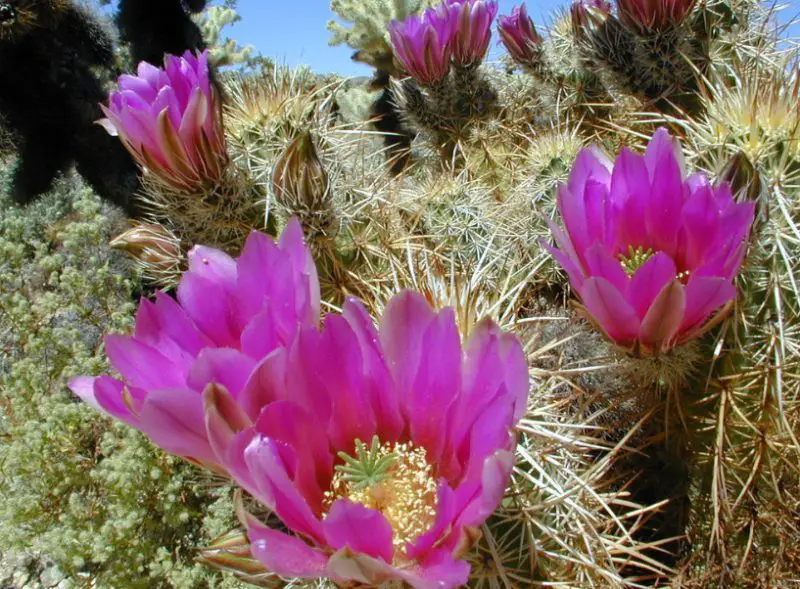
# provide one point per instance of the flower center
(395, 479)
(635, 259)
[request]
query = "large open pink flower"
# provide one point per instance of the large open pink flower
(229, 315)
(651, 253)
(170, 120)
(382, 451)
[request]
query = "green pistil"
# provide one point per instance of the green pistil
(635, 259)
(370, 466)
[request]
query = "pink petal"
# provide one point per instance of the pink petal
(494, 479)
(593, 164)
(494, 367)
(704, 295)
(83, 387)
(574, 272)
(141, 365)
(700, 217)
(630, 199)
(224, 366)
(377, 380)
(164, 325)
(356, 569)
(176, 324)
(174, 420)
(256, 271)
(440, 571)
(287, 422)
(405, 321)
(214, 265)
(660, 325)
(261, 336)
(595, 197)
(209, 306)
(358, 528)
(491, 432)
(263, 457)
(664, 160)
(267, 383)
(286, 555)
(572, 207)
(437, 384)
(339, 365)
(292, 243)
(224, 420)
(608, 307)
(446, 514)
(601, 262)
(649, 280)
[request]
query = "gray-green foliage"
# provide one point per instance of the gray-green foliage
(93, 495)
(224, 50)
(369, 20)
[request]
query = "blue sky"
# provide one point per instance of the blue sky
(294, 32)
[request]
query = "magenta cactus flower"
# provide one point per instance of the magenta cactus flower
(422, 45)
(472, 29)
(580, 9)
(652, 254)
(228, 316)
(170, 120)
(519, 36)
(382, 451)
(647, 16)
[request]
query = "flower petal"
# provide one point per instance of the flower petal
(284, 555)
(339, 365)
(377, 380)
(663, 319)
(359, 529)
(405, 321)
(287, 422)
(264, 457)
(141, 365)
(704, 295)
(610, 309)
(649, 280)
(224, 366)
(174, 419)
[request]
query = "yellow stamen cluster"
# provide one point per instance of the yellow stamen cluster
(635, 259)
(405, 492)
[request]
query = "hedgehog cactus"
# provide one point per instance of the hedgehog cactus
(659, 445)
(170, 119)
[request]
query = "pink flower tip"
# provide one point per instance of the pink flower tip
(648, 16)
(519, 36)
(170, 120)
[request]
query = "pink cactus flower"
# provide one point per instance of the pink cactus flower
(519, 36)
(229, 315)
(647, 16)
(652, 254)
(382, 451)
(472, 29)
(580, 9)
(170, 120)
(422, 45)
